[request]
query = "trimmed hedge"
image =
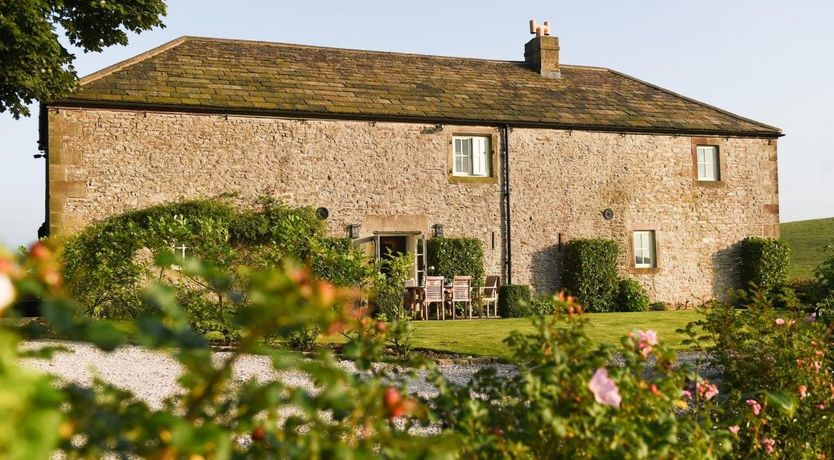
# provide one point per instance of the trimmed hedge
(764, 263)
(589, 273)
(514, 301)
(456, 257)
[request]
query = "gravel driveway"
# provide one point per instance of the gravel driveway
(152, 376)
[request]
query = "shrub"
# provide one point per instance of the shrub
(543, 305)
(109, 263)
(514, 301)
(807, 291)
(568, 401)
(764, 263)
(824, 277)
(776, 371)
(210, 415)
(388, 290)
(632, 296)
(456, 257)
(590, 273)
(658, 306)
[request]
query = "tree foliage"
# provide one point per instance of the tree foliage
(34, 65)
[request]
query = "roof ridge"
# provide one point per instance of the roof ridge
(338, 48)
(696, 101)
(133, 60)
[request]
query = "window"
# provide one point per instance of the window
(707, 158)
(471, 156)
(644, 249)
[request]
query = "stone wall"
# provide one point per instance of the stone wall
(389, 176)
(563, 180)
(380, 175)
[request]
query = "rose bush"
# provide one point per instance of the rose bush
(569, 398)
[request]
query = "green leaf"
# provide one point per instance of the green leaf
(782, 400)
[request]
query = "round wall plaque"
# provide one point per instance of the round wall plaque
(608, 214)
(322, 213)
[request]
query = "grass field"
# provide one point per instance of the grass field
(484, 337)
(807, 238)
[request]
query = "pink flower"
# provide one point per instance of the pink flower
(706, 389)
(685, 394)
(779, 321)
(604, 389)
(767, 444)
(810, 318)
(816, 365)
(645, 342)
(803, 391)
(734, 429)
(754, 406)
(649, 337)
(820, 406)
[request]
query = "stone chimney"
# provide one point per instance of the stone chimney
(542, 52)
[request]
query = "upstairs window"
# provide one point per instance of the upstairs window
(471, 156)
(708, 166)
(644, 249)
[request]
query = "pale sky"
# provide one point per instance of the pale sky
(768, 60)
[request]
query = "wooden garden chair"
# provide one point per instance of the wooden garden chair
(462, 293)
(433, 294)
(489, 294)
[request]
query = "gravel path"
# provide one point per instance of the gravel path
(152, 376)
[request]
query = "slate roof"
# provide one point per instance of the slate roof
(236, 76)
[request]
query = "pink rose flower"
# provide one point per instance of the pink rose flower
(734, 429)
(779, 321)
(685, 394)
(706, 389)
(645, 341)
(754, 406)
(803, 391)
(604, 389)
(767, 444)
(649, 337)
(810, 318)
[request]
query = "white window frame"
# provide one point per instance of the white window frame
(644, 243)
(471, 156)
(708, 163)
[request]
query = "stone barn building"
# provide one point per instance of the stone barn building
(524, 155)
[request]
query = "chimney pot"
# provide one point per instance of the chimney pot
(542, 52)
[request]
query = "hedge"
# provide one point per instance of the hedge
(108, 264)
(589, 273)
(764, 263)
(456, 257)
(514, 301)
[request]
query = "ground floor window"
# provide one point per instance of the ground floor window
(644, 249)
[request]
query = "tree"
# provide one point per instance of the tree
(33, 63)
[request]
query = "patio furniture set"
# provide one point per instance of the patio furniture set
(446, 297)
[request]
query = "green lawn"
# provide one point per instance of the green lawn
(807, 238)
(484, 337)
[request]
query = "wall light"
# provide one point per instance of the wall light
(353, 231)
(437, 230)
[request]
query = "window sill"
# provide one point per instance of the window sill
(644, 271)
(472, 179)
(709, 183)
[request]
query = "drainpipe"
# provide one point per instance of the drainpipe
(505, 159)
(43, 146)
